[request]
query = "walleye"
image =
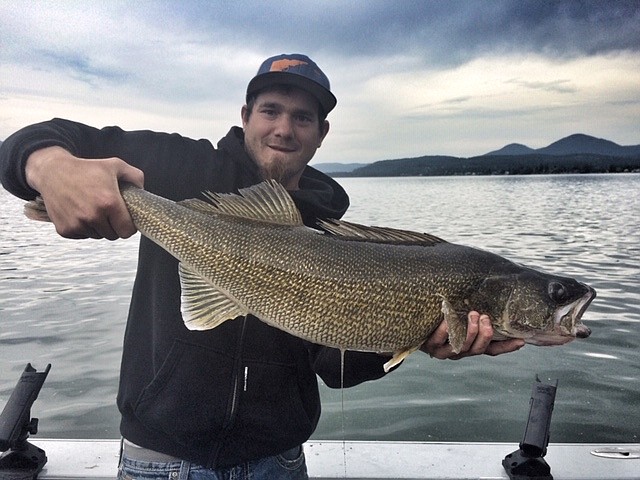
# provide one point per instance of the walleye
(352, 287)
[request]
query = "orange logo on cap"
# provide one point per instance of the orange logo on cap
(284, 65)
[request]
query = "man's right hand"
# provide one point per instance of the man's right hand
(82, 195)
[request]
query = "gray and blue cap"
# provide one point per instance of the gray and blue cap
(296, 70)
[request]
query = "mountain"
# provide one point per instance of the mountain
(513, 149)
(337, 167)
(575, 144)
(580, 143)
(576, 153)
(536, 163)
(508, 158)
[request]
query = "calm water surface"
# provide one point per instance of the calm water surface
(65, 302)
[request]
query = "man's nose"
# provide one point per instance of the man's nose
(284, 126)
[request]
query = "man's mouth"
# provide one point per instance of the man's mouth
(282, 148)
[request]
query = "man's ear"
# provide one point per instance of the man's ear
(244, 114)
(323, 133)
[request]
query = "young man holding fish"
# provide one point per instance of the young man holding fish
(244, 396)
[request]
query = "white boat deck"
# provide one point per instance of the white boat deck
(97, 459)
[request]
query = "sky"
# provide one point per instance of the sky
(412, 78)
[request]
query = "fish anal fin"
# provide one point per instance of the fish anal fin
(457, 326)
(203, 306)
(398, 358)
(364, 233)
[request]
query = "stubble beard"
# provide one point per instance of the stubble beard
(278, 172)
(276, 169)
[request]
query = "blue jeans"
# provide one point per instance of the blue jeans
(289, 465)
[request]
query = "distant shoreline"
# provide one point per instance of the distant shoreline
(472, 174)
(535, 164)
(577, 153)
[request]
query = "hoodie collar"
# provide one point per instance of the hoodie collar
(319, 196)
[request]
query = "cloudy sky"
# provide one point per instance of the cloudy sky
(412, 77)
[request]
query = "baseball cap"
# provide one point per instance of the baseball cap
(297, 70)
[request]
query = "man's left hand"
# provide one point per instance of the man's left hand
(478, 342)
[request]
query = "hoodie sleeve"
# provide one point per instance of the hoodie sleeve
(14, 151)
(173, 165)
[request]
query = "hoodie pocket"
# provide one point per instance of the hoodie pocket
(190, 398)
(271, 407)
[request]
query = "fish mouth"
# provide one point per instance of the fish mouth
(572, 313)
(569, 314)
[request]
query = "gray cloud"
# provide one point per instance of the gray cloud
(557, 86)
(435, 33)
(440, 32)
(80, 67)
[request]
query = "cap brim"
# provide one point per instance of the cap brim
(327, 100)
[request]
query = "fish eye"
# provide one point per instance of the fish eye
(557, 291)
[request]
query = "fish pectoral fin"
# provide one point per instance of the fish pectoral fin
(456, 324)
(398, 358)
(203, 306)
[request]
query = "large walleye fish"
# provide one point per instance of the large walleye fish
(351, 287)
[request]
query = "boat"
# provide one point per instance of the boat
(533, 457)
(98, 459)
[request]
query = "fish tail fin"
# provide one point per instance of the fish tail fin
(36, 210)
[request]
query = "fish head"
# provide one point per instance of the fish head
(544, 309)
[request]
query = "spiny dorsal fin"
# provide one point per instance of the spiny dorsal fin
(203, 306)
(363, 233)
(199, 206)
(267, 201)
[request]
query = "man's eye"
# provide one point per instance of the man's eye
(268, 112)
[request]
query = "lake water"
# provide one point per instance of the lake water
(65, 302)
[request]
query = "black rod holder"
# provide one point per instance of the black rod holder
(21, 460)
(528, 463)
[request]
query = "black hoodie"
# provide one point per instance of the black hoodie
(218, 398)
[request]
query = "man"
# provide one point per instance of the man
(242, 398)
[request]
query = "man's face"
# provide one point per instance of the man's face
(282, 133)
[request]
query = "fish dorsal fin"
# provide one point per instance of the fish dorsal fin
(363, 233)
(267, 202)
(199, 205)
(204, 306)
